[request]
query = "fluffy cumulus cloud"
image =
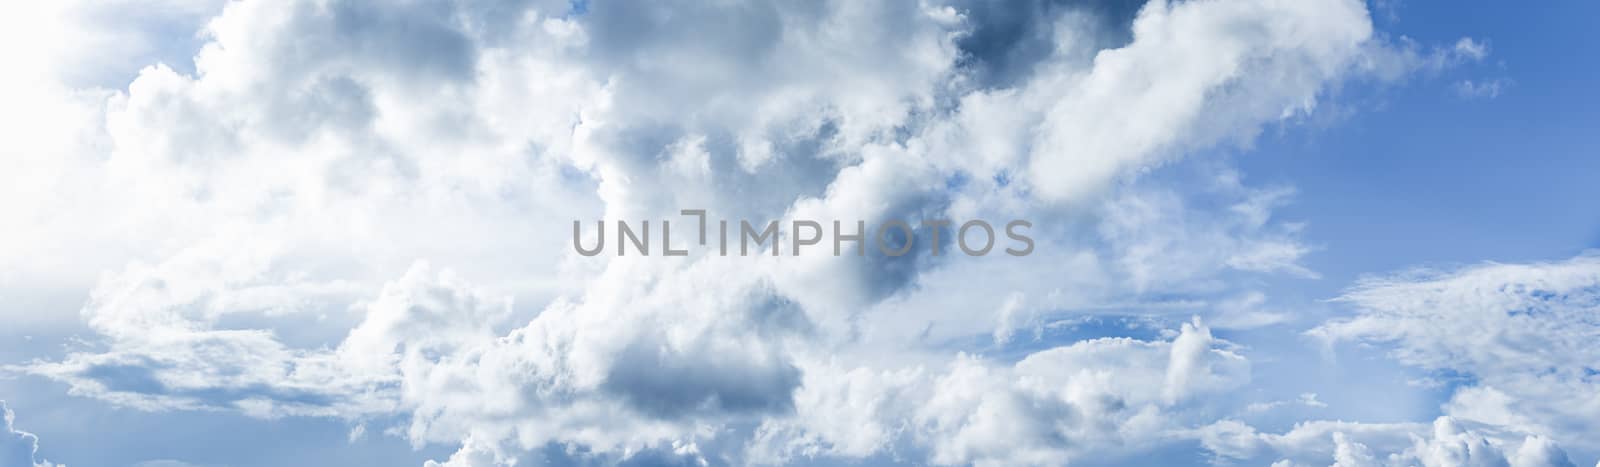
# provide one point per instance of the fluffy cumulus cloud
(1094, 398)
(362, 211)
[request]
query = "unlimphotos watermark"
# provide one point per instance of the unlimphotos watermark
(893, 237)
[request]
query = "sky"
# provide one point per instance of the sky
(320, 232)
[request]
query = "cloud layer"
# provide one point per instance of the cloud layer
(361, 212)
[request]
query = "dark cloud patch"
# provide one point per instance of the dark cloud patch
(669, 39)
(416, 40)
(422, 41)
(1008, 39)
(144, 378)
(579, 455)
(670, 383)
(884, 274)
(139, 379)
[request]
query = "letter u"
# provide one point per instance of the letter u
(600, 239)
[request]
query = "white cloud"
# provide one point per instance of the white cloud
(352, 211)
(1445, 444)
(1099, 398)
(1520, 333)
(18, 448)
(164, 463)
(1471, 49)
(1481, 89)
(1515, 336)
(1189, 79)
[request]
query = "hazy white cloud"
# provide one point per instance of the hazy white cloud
(18, 448)
(1471, 49)
(1513, 338)
(1481, 89)
(1520, 333)
(164, 463)
(1347, 444)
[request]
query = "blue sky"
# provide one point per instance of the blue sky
(1308, 233)
(1427, 177)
